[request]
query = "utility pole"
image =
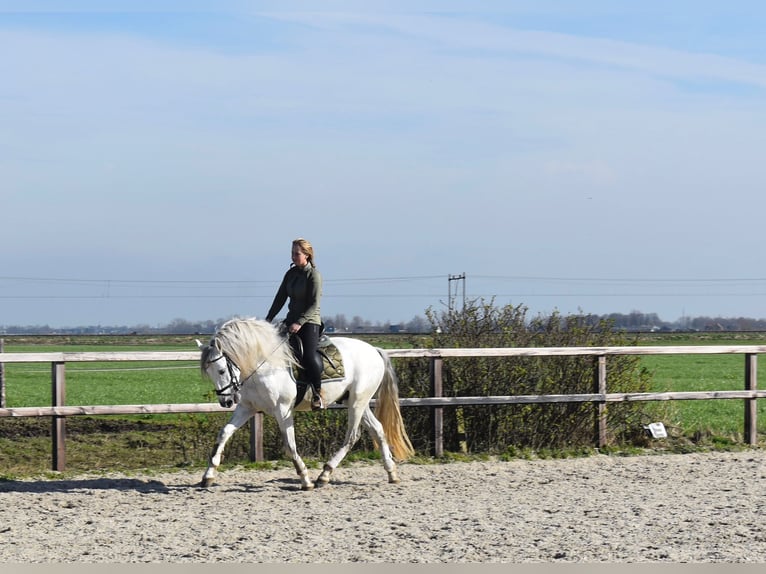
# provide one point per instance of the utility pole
(459, 416)
(451, 297)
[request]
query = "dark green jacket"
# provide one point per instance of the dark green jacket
(303, 286)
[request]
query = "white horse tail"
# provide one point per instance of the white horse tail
(388, 413)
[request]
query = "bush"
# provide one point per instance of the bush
(497, 428)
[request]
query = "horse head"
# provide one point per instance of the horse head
(222, 371)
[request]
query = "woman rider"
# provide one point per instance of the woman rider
(302, 285)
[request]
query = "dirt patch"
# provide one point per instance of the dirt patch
(35, 427)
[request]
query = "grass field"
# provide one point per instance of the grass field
(28, 384)
(722, 418)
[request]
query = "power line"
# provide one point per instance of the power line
(620, 280)
(119, 289)
(406, 278)
(212, 282)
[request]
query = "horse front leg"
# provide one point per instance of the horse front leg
(286, 426)
(238, 418)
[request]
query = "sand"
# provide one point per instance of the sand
(699, 508)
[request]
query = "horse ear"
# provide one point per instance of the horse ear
(199, 343)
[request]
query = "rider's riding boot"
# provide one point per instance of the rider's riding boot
(317, 401)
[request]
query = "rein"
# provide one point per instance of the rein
(235, 385)
(266, 358)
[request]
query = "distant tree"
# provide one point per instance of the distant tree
(338, 322)
(179, 327)
(418, 325)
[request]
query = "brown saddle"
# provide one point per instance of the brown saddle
(332, 361)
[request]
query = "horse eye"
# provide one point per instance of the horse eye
(221, 371)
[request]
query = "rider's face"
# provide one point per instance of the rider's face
(299, 257)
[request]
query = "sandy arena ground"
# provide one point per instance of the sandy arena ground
(699, 508)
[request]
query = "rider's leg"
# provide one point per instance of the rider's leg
(312, 361)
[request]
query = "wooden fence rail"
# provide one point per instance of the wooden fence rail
(58, 411)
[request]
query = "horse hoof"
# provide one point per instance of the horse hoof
(206, 482)
(309, 486)
(324, 476)
(393, 478)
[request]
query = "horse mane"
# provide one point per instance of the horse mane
(251, 343)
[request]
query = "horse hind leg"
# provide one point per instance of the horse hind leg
(375, 429)
(301, 469)
(352, 435)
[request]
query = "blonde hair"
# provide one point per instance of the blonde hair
(305, 246)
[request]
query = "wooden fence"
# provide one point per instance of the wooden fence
(58, 411)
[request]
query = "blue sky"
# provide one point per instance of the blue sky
(157, 158)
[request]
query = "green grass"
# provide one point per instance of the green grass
(167, 441)
(108, 383)
(719, 418)
(116, 383)
(140, 382)
(110, 442)
(703, 373)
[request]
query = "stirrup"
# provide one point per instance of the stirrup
(317, 403)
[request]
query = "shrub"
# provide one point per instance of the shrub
(537, 426)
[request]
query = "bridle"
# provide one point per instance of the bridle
(235, 384)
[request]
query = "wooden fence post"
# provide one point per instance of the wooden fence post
(601, 405)
(2, 377)
(751, 405)
(437, 414)
(256, 438)
(58, 430)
